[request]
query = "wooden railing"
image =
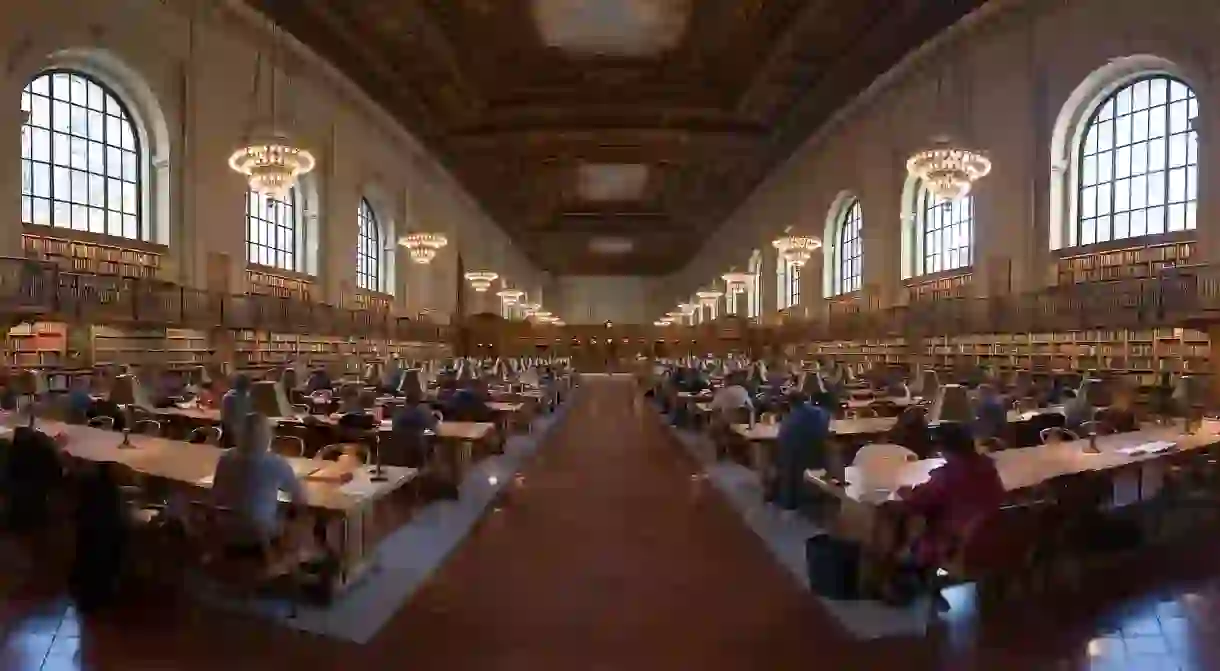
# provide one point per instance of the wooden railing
(41, 290)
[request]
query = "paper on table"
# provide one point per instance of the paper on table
(1155, 447)
(361, 485)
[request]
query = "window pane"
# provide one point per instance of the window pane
(1145, 127)
(272, 229)
(848, 250)
(76, 122)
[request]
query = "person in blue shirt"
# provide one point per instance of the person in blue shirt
(990, 415)
(801, 445)
(234, 406)
(79, 401)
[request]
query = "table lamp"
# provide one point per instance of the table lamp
(952, 404)
(268, 398)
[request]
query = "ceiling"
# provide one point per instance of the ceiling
(611, 136)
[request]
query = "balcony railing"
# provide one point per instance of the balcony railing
(42, 290)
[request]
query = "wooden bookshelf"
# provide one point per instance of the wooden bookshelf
(172, 349)
(950, 286)
(1135, 262)
(375, 302)
(266, 282)
(41, 345)
(260, 350)
(85, 256)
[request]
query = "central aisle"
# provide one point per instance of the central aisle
(610, 554)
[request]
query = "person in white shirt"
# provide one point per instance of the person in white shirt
(249, 479)
(732, 396)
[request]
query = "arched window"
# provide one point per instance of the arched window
(82, 164)
(1138, 163)
(849, 249)
(755, 289)
(368, 249)
(945, 232)
(273, 231)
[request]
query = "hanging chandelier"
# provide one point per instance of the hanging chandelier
(947, 171)
(271, 164)
(736, 282)
(530, 309)
(662, 323)
(481, 281)
(687, 309)
(423, 247)
(558, 322)
(709, 297)
(796, 249)
(674, 315)
(542, 315)
(270, 160)
(510, 296)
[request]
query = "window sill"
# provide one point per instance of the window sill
(280, 272)
(1126, 243)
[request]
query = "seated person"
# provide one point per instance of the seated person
(102, 530)
(8, 396)
(469, 404)
(801, 445)
(732, 396)
(319, 380)
(79, 401)
(1120, 416)
(990, 414)
(32, 471)
(248, 482)
(234, 407)
(966, 489)
(411, 422)
(353, 411)
(911, 431)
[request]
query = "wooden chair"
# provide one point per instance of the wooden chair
(242, 575)
(206, 435)
(288, 446)
(992, 444)
(335, 451)
(106, 423)
(302, 408)
(1057, 434)
(860, 413)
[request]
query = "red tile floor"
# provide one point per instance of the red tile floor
(609, 556)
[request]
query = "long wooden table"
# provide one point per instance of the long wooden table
(188, 466)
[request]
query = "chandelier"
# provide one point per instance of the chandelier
(270, 161)
(735, 282)
(510, 296)
(530, 309)
(558, 322)
(542, 315)
(687, 309)
(271, 164)
(796, 249)
(481, 281)
(709, 297)
(675, 315)
(423, 246)
(948, 172)
(662, 322)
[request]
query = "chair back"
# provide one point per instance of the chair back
(147, 427)
(1057, 434)
(288, 446)
(337, 451)
(206, 435)
(106, 423)
(1001, 542)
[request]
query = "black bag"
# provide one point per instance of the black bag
(834, 567)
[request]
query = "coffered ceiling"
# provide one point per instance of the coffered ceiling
(612, 136)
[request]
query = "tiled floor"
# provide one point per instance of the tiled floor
(611, 556)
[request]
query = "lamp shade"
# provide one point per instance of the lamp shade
(268, 398)
(952, 405)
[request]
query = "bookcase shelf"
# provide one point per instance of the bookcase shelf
(264, 282)
(1127, 263)
(83, 256)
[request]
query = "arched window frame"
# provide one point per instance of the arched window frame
(1069, 136)
(370, 249)
(91, 181)
(788, 282)
(844, 272)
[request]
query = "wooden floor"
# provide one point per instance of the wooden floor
(609, 555)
